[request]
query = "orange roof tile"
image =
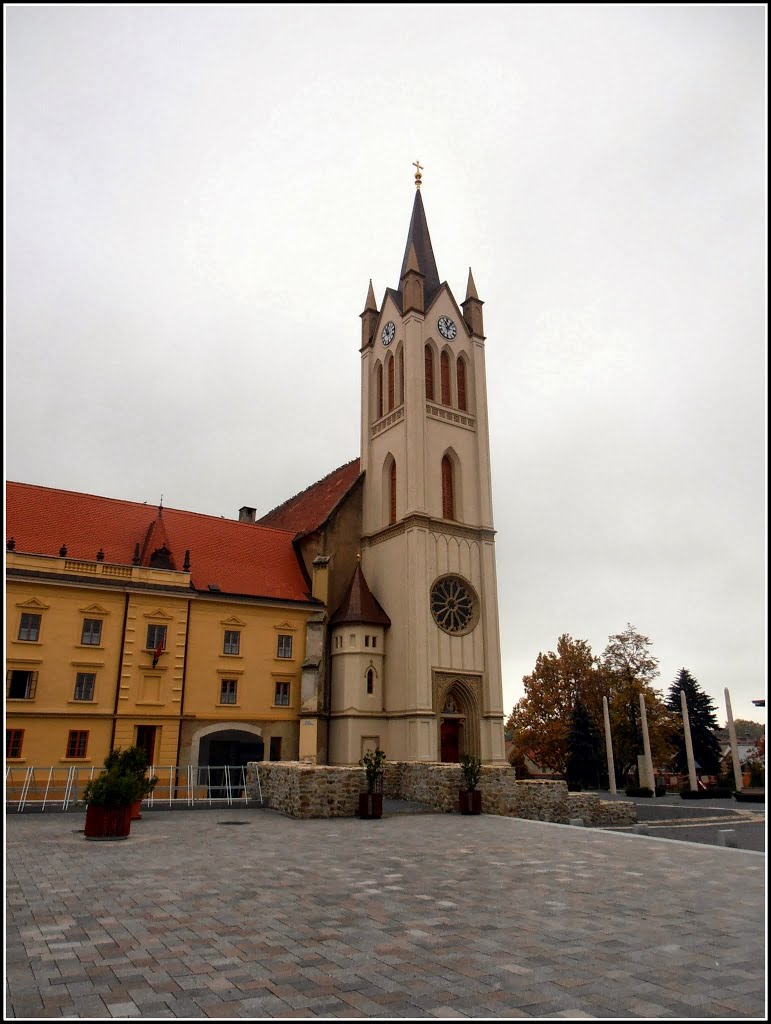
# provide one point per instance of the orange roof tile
(309, 509)
(239, 558)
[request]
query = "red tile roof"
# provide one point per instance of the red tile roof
(239, 558)
(309, 509)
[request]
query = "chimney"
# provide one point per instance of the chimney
(246, 514)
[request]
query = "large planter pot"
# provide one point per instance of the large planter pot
(370, 805)
(470, 801)
(107, 822)
(136, 810)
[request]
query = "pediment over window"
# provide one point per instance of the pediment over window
(159, 613)
(286, 627)
(94, 609)
(34, 604)
(232, 622)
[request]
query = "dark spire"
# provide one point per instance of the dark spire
(359, 605)
(419, 237)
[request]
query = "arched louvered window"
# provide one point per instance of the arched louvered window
(448, 490)
(429, 374)
(461, 376)
(445, 374)
(379, 388)
(392, 494)
(400, 359)
(390, 383)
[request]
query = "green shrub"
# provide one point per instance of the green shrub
(124, 780)
(373, 763)
(472, 768)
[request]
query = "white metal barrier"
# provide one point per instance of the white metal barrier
(60, 788)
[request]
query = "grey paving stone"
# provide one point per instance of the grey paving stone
(426, 916)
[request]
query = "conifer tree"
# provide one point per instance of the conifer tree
(585, 761)
(703, 723)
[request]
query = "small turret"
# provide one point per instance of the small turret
(369, 318)
(411, 284)
(472, 308)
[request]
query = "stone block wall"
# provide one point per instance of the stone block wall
(327, 791)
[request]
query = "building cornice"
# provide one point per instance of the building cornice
(423, 521)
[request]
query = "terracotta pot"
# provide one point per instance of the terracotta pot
(136, 810)
(370, 805)
(107, 822)
(470, 801)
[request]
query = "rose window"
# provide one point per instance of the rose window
(453, 605)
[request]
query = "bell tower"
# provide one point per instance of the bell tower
(427, 549)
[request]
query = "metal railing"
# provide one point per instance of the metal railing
(60, 788)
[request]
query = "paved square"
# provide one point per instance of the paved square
(412, 916)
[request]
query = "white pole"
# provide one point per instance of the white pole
(609, 747)
(688, 744)
(734, 744)
(647, 745)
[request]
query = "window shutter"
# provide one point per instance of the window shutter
(448, 498)
(461, 371)
(445, 373)
(429, 374)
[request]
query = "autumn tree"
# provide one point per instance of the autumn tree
(746, 727)
(702, 720)
(540, 721)
(628, 669)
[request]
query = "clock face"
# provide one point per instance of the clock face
(389, 331)
(447, 328)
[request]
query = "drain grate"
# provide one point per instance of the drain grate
(233, 823)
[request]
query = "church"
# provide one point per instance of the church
(360, 613)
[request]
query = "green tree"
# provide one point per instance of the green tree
(629, 669)
(585, 761)
(701, 717)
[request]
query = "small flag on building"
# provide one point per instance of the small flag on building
(158, 653)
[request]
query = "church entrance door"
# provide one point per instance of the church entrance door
(450, 737)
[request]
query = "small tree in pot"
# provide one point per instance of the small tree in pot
(469, 797)
(134, 761)
(371, 802)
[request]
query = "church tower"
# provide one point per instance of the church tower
(427, 547)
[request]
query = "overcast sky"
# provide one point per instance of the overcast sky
(195, 201)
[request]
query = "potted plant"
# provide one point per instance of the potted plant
(112, 796)
(134, 761)
(109, 797)
(371, 802)
(469, 797)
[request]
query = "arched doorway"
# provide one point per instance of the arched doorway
(457, 712)
(221, 753)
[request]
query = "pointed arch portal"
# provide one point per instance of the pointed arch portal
(457, 703)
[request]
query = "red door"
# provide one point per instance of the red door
(450, 732)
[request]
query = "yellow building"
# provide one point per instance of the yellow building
(181, 633)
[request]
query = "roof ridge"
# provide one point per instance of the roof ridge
(149, 507)
(308, 488)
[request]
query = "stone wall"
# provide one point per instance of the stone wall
(327, 791)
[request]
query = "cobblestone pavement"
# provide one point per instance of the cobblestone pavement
(413, 916)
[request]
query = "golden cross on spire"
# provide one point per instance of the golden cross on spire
(418, 168)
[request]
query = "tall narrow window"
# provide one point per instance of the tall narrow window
(229, 691)
(91, 634)
(284, 648)
(379, 389)
(400, 360)
(461, 372)
(391, 395)
(445, 373)
(370, 681)
(232, 642)
(84, 686)
(392, 494)
(429, 374)
(14, 739)
(29, 627)
(77, 743)
(448, 490)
